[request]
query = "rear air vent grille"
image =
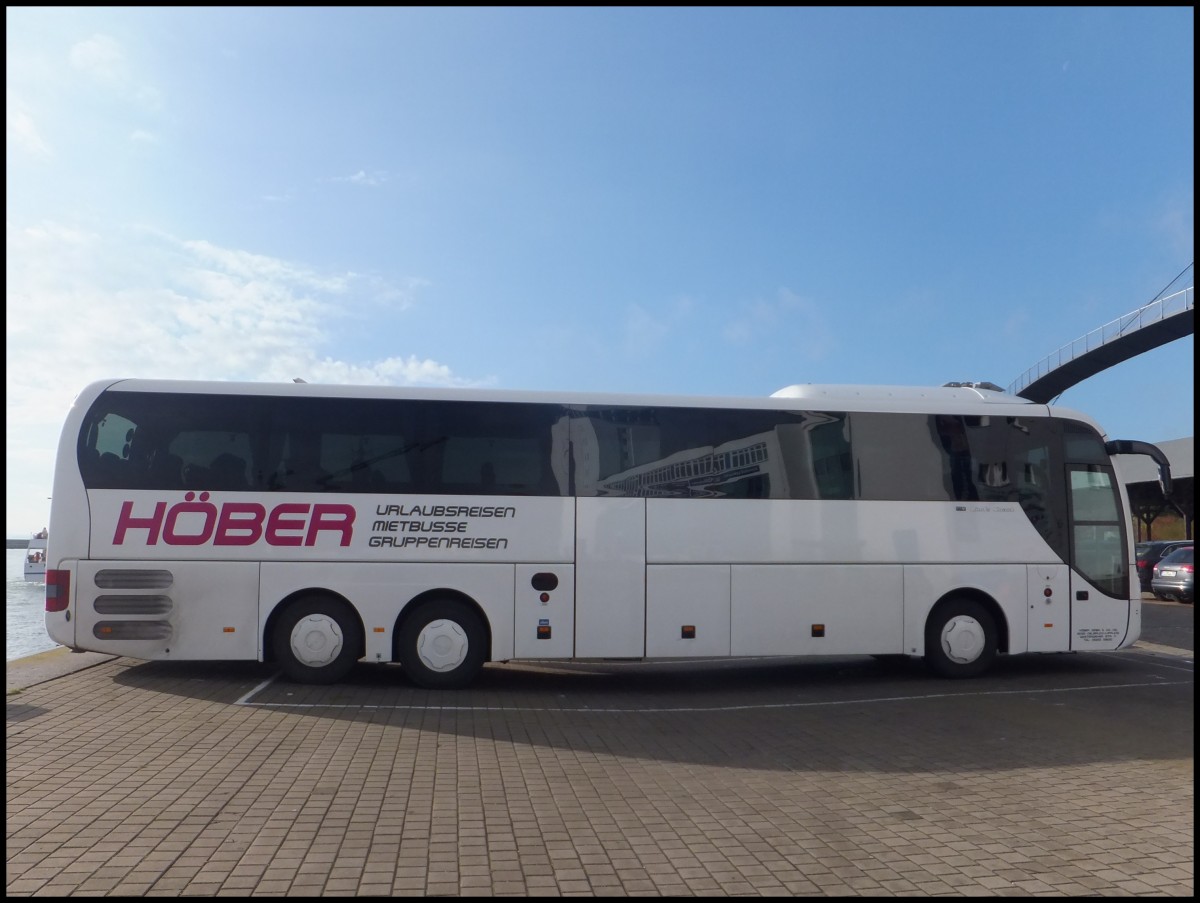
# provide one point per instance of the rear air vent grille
(132, 605)
(133, 579)
(132, 630)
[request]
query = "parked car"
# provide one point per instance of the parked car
(1175, 576)
(1148, 554)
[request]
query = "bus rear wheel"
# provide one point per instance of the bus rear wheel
(960, 639)
(317, 640)
(443, 645)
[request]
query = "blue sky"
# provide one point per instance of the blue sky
(696, 201)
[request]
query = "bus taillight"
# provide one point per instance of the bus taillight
(58, 590)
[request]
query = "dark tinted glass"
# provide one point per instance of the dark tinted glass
(162, 441)
(1184, 555)
(666, 452)
(698, 453)
(231, 442)
(1082, 444)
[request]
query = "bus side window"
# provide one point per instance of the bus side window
(228, 472)
(109, 469)
(301, 470)
(167, 471)
(89, 465)
(952, 433)
(1035, 477)
(365, 478)
(149, 464)
(196, 476)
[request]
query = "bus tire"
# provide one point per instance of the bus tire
(317, 640)
(960, 639)
(443, 645)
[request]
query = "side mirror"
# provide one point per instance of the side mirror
(1135, 447)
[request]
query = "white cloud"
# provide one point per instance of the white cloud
(144, 303)
(102, 58)
(364, 178)
(20, 129)
(147, 97)
(396, 297)
(258, 268)
(788, 313)
(86, 305)
(646, 330)
(391, 371)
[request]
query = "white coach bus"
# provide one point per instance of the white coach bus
(317, 526)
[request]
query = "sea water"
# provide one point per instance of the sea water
(25, 623)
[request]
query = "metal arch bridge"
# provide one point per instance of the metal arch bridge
(1158, 323)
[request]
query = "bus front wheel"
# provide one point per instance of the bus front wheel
(960, 638)
(442, 645)
(317, 640)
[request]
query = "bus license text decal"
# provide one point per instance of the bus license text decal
(435, 526)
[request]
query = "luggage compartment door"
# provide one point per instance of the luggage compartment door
(610, 578)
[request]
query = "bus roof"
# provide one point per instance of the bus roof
(878, 394)
(957, 399)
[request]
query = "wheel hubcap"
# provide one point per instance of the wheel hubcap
(442, 645)
(963, 640)
(316, 640)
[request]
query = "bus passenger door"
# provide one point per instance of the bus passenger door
(610, 577)
(1105, 609)
(1049, 600)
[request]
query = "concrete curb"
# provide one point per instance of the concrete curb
(43, 666)
(1163, 650)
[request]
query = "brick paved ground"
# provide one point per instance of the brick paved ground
(1057, 775)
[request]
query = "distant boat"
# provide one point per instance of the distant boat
(35, 557)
